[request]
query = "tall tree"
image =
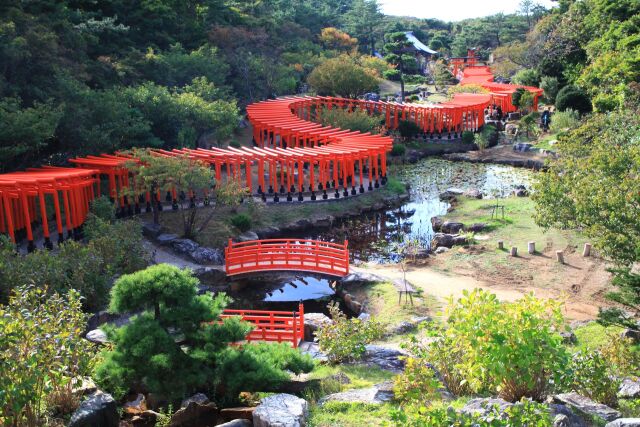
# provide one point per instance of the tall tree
(396, 55)
(363, 22)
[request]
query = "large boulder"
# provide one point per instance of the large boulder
(389, 359)
(281, 410)
(476, 227)
(565, 417)
(136, 406)
(473, 193)
(98, 410)
(379, 393)
(586, 406)
(313, 322)
(196, 411)
(204, 255)
(151, 230)
(447, 240)
(632, 334)
(624, 422)
(247, 236)
(166, 238)
(450, 194)
(361, 277)
(97, 336)
(451, 227)
(484, 406)
(184, 246)
(436, 223)
(629, 389)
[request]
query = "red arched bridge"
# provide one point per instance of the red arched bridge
(287, 255)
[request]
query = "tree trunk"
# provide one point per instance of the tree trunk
(401, 87)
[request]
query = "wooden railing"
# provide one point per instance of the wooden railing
(288, 255)
(272, 326)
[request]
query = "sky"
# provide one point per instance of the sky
(451, 10)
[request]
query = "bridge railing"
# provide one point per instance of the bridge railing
(287, 254)
(272, 326)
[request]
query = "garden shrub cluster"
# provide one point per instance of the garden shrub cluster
(241, 221)
(398, 150)
(572, 97)
(356, 120)
(564, 120)
(408, 129)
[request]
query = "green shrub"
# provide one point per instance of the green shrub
(564, 120)
(527, 77)
(515, 98)
(417, 382)
(468, 137)
(398, 150)
(525, 413)
(103, 208)
(574, 98)
(395, 186)
(357, 120)
(591, 375)
(241, 221)
(603, 103)
(408, 129)
(487, 137)
(550, 85)
(529, 124)
(234, 144)
(511, 349)
(393, 75)
(41, 351)
(345, 339)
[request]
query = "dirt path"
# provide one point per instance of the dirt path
(442, 285)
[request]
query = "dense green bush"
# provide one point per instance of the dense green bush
(234, 143)
(408, 129)
(41, 352)
(393, 75)
(591, 375)
(529, 124)
(103, 208)
(487, 137)
(574, 98)
(395, 186)
(345, 339)
(550, 85)
(241, 221)
(527, 77)
(398, 150)
(177, 345)
(417, 382)
(511, 349)
(468, 137)
(358, 120)
(564, 120)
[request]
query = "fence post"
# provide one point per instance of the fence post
(346, 249)
(301, 332)
(295, 331)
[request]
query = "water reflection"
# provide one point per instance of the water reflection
(369, 235)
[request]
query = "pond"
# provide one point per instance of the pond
(370, 234)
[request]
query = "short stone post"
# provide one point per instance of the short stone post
(587, 250)
(501, 245)
(560, 257)
(531, 248)
(514, 251)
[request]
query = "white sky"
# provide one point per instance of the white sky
(452, 10)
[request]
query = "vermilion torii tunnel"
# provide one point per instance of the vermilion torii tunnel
(293, 156)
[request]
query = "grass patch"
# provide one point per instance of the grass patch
(360, 376)
(543, 143)
(349, 415)
(593, 335)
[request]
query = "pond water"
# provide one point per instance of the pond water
(284, 292)
(370, 234)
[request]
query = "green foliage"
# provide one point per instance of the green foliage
(468, 137)
(468, 88)
(572, 97)
(395, 50)
(345, 338)
(177, 345)
(408, 129)
(515, 98)
(511, 349)
(41, 352)
(342, 77)
(527, 77)
(602, 154)
(524, 414)
(551, 86)
(393, 75)
(103, 208)
(564, 120)
(591, 375)
(529, 123)
(416, 383)
(487, 137)
(358, 120)
(398, 150)
(241, 221)
(395, 186)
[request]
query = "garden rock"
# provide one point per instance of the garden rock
(204, 255)
(184, 246)
(631, 334)
(195, 414)
(97, 336)
(473, 193)
(586, 406)
(313, 350)
(441, 250)
(450, 194)
(569, 337)
(385, 358)
(151, 230)
(436, 223)
(403, 328)
(361, 277)
(340, 378)
(447, 240)
(145, 419)
(83, 386)
(236, 423)
(476, 227)
(629, 389)
(484, 406)
(98, 410)
(136, 406)
(624, 422)
(313, 322)
(166, 238)
(248, 236)
(199, 398)
(241, 413)
(451, 227)
(379, 393)
(281, 410)
(565, 417)
(520, 193)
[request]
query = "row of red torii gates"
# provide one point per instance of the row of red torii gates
(292, 153)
